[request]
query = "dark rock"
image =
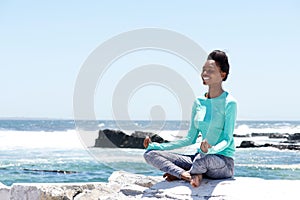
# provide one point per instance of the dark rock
(266, 145)
(236, 135)
(103, 141)
(251, 144)
(50, 171)
(289, 146)
(288, 142)
(142, 134)
(259, 134)
(116, 138)
(295, 136)
(248, 144)
(278, 135)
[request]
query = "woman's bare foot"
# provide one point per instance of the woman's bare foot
(196, 180)
(170, 177)
(186, 176)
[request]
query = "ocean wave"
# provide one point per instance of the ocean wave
(39, 139)
(270, 166)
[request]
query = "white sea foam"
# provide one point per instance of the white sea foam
(72, 140)
(101, 125)
(270, 166)
(39, 139)
(245, 129)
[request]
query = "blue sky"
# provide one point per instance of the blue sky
(44, 44)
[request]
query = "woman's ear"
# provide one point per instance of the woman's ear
(223, 75)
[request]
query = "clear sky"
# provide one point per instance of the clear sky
(43, 45)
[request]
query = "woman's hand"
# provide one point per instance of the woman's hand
(204, 146)
(147, 141)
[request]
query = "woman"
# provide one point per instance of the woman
(213, 118)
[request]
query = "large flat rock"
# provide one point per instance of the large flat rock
(4, 191)
(123, 185)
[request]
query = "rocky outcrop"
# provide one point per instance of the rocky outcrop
(259, 134)
(280, 141)
(241, 136)
(108, 138)
(286, 146)
(126, 186)
(116, 138)
(294, 137)
(251, 144)
(279, 135)
(4, 191)
(248, 144)
(55, 191)
(291, 137)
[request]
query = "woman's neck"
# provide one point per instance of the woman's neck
(214, 92)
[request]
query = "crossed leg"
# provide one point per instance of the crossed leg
(175, 165)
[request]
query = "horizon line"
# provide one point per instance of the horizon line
(50, 118)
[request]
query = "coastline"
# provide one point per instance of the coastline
(124, 185)
(30, 151)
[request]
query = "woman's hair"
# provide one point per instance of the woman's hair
(221, 60)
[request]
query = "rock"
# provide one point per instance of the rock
(4, 191)
(286, 146)
(259, 134)
(278, 135)
(121, 177)
(238, 188)
(154, 137)
(251, 144)
(116, 138)
(50, 171)
(248, 144)
(57, 191)
(103, 140)
(127, 186)
(241, 136)
(288, 142)
(295, 136)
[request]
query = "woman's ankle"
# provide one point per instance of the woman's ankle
(196, 180)
(185, 176)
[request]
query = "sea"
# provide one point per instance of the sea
(56, 151)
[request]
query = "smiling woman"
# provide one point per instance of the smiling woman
(213, 119)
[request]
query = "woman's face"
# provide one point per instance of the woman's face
(211, 73)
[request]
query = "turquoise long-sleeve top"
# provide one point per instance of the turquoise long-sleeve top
(214, 120)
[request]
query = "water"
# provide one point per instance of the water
(39, 150)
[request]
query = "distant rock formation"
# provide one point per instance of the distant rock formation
(50, 171)
(248, 144)
(115, 138)
(251, 144)
(294, 137)
(279, 135)
(108, 138)
(290, 137)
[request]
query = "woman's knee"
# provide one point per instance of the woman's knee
(207, 163)
(214, 162)
(149, 155)
(220, 173)
(218, 168)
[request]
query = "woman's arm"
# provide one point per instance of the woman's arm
(188, 140)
